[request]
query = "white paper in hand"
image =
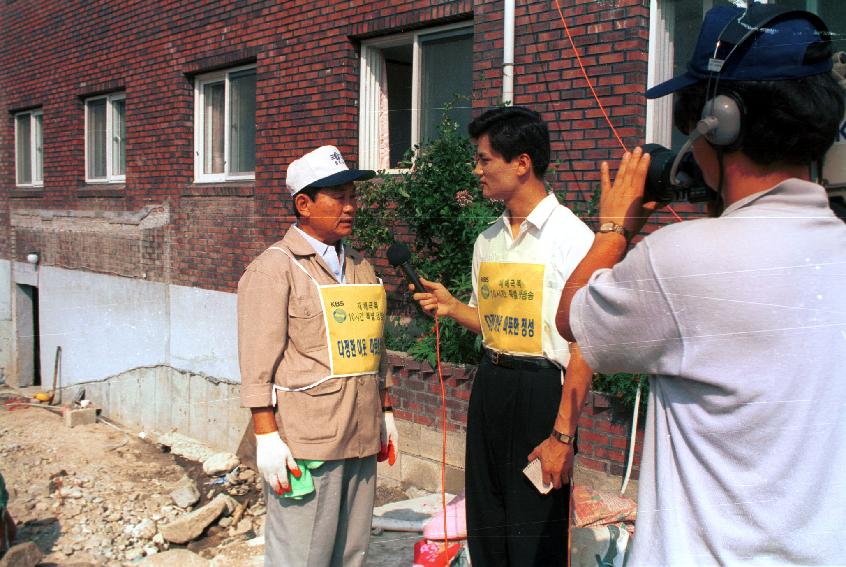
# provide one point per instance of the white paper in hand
(534, 473)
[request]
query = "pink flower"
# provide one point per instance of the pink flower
(463, 198)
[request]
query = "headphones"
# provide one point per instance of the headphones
(723, 115)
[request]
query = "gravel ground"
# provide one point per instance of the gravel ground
(96, 495)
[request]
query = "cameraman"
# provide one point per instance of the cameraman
(740, 319)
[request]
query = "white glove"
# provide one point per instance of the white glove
(388, 435)
(274, 459)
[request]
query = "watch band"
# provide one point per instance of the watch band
(563, 437)
(614, 227)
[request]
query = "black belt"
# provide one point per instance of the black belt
(518, 362)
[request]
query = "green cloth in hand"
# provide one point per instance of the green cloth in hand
(304, 485)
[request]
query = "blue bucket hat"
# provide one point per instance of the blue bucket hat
(730, 47)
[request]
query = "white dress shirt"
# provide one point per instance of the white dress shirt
(551, 235)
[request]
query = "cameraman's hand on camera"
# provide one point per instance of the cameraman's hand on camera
(622, 203)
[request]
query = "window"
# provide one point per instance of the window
(29, 149)
(407, 82)
(674, 27)
(105, 138)
(225, 125)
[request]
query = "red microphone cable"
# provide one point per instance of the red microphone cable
(443, 429)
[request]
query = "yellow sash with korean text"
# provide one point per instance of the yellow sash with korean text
(355, 319)
(510, 301)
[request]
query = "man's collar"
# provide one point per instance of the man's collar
(540, 214)
(298, 242)
(319, 246)
(794, 190)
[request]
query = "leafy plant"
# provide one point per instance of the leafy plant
(401, 333)
(438, 200)
(624, 387)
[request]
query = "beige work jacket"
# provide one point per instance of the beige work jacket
(282, 339)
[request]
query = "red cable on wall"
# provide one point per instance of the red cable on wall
(596, 96)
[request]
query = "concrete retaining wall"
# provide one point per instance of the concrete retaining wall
(5, 319)
(160, 399)
(107, 325)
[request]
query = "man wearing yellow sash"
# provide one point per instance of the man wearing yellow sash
(521, 407)
(310, 318)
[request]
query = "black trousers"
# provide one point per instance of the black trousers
(509, 523)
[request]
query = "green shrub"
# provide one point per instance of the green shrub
(439, 201)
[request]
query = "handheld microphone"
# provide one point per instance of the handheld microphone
(399, 256)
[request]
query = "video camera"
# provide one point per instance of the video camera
(688, 184)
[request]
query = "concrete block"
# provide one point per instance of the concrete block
(75, 417)
(421, 473)
(454, 480)
(237, 418)
(198, 410)
(147, 383)
(164, 399)
(431, 446)
(180, 396)
(409, 433)
(216, 414)
(384, 471)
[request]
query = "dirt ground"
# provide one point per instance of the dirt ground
(97, 495)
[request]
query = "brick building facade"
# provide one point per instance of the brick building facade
(111, 174)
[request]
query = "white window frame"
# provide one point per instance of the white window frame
(369, 91)
(659, 112)
(199, 127)
(34, 149)
(110, 177)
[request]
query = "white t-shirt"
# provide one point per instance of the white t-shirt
(551, 235)
(741, 320)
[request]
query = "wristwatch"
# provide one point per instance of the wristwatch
(563, 437)
(614, 227)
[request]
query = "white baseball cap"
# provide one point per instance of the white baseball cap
(323, 167)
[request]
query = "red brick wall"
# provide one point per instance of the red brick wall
(54, 53)
(604, 428)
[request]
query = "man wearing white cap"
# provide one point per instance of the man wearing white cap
(310, 318)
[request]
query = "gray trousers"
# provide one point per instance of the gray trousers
(329, 527)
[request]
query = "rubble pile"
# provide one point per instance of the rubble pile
(117, 503)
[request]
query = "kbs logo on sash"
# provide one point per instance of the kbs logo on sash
(359, 348)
